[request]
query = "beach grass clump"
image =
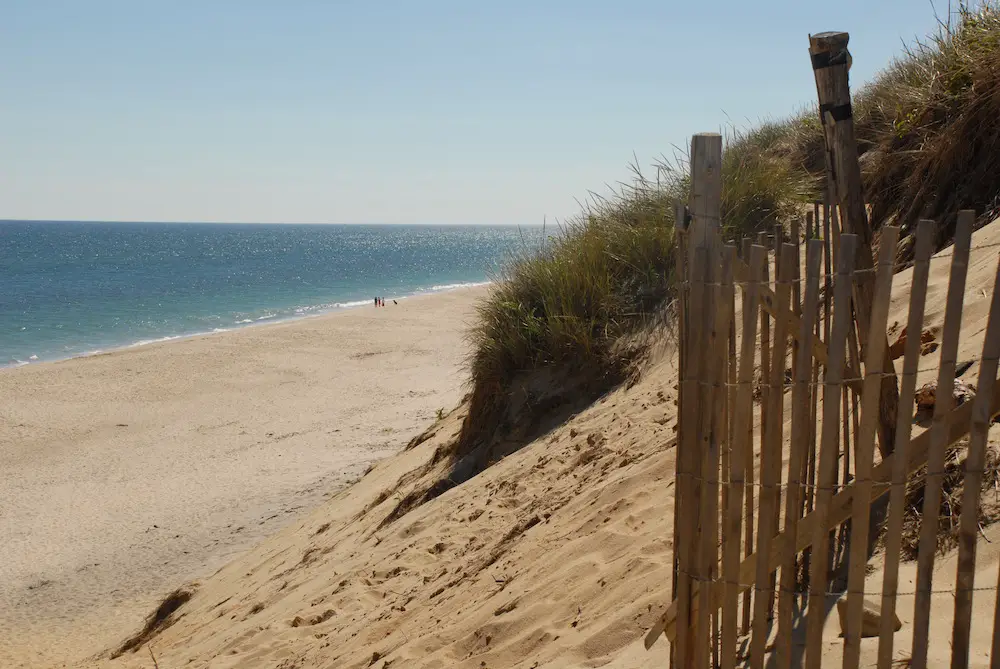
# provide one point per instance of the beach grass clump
(761, 187)
(573, 301)
(930, 124)
(586, 301)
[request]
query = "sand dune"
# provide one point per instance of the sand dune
(128, 473)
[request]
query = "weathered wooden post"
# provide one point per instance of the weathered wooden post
(831, 61)
(698, 443)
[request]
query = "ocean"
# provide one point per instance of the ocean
(70, 289)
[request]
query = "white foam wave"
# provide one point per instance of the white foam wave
(348, 305)
(313, 309)
(453, 286)
(146, 342)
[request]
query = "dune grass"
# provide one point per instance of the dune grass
(583, 300)
(571, 302)
(929, 141)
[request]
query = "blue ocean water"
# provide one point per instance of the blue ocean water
(68, 289)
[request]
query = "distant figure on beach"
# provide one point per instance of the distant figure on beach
(395, 302)
(376, 301)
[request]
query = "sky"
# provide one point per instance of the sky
(309, 111)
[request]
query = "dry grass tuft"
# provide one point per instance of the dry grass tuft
(586, 301)
(158, 620)
(951, 500)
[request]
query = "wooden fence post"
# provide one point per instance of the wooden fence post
(831, 61)
(705, 207)
(688, 462)
(706, 196)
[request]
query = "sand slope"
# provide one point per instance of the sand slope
(557, 556)
(557, 552)
(126, 474)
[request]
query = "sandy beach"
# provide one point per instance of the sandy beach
(129, 473)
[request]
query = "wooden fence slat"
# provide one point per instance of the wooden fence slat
(770, 461)
(681, 249)
(727, 442)
(687, 458)
(810, 465)
(742, 454)
(797, 238)
(779, 236)
(754, 272)
(935, 459)
(800, 437)
(816, 613)
(796, 234)
(957, 422)
(827, 271)
(765, 362)
(904, 426)
(974, 463)
(865, 445)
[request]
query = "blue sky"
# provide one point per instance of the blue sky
(388, 112)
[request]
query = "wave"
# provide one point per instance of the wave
(146, 342)
(454, 286)
(314, 309)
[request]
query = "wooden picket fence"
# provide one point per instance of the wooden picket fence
(794, 479)
(777, 494)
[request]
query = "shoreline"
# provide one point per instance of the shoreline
(242, 325)
(131, 472)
